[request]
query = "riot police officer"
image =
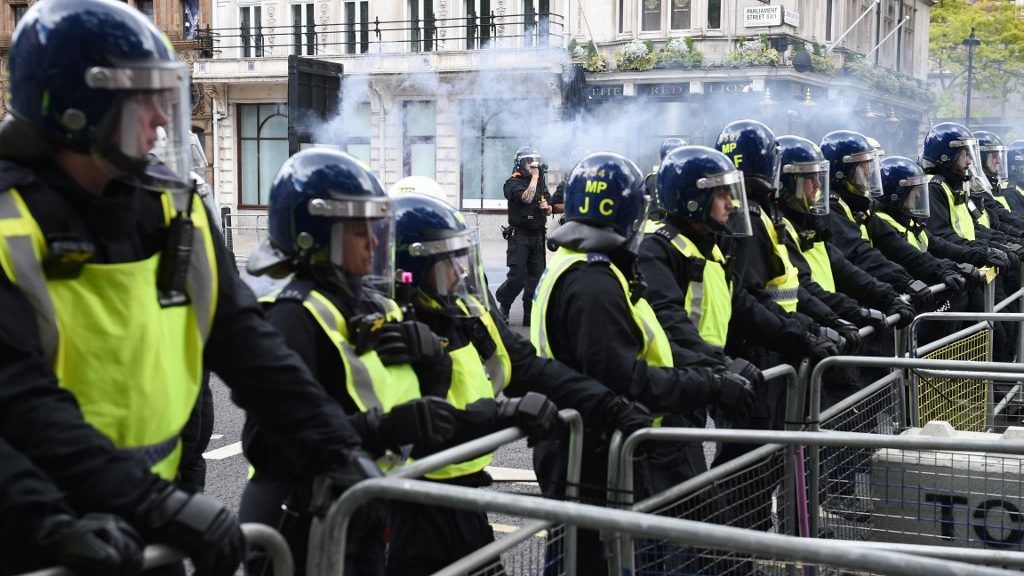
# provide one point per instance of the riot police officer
(527, 194)
(330, 223)
(449, 293)
(994, 163)
(854, 180)
(651, 179)
(1015, 176)
(125, 260)
(591, 316)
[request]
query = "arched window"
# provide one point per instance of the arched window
(262, 149)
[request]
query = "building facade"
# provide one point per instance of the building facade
(450, 88)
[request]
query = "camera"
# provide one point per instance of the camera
(541, 166)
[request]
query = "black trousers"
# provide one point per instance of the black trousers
(262, 502)
(195, 438)
(525, 258)
(425, 539)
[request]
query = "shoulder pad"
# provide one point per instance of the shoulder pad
(937, 179)
(13, 175)
(754, 208)
(296, 290)
(666, 233)
(598, 258)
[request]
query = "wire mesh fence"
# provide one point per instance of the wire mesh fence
(243, 233)
(963, 402)
(541, 553)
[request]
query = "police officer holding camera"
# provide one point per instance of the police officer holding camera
(527, 195)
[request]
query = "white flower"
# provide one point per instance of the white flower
(676, 45)
(635, 50)
(579, 53)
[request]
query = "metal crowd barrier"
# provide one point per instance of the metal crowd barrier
(243, 232)
(786, 552)
(327, 538)
(741, 489)
(931, 496)
(882, 408)
(157, 555)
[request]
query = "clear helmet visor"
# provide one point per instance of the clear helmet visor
(727, 209)
(636, 235)
(967, 161)
(363, 248)
(994, 163)
(866, 177)
(916, 202)
(455, 274)
(809, 184)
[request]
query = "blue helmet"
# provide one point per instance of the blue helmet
(751, 147)
(853, 163)
(692, 177)
(606, 190)
(904, 188)
(993, 158)
(670, 144)
(803, 185)
(942, 147)
(524, 155)
(325, 207)
(435, 245)
(1015, 161)
(97, 77)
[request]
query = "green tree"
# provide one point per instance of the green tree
(998, 62)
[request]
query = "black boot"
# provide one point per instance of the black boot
(526, 315)
(504, 310)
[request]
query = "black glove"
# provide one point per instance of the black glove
(1015, 249)
(407, 342)
(832, 336)
(201, 527)
(954, 280)
(1013, 260)
(998, 258)
(920, 296)
(818, 348)
(327, 487)
(622, 414)
(905, 311)
(871, 317)
(534, 413)
(733, 393)
(851, 334)
(747, 370)
(426, 422)
(93, 544)
(972, 275)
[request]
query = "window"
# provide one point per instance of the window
(829, 22)
(656, 14)
(622, 16)
(906, 33)
(17, 11)
(358, 127)
(419, 146)
(263, 148)
(250, 27)
(146, 7)
(303, 29)
(536, 22)
(190, 20)
(714, 14)
(422, 25)
(491, 132)
(357, 25)
(478, 23)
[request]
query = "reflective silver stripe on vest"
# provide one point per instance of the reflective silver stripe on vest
(495, 370)
(29, 278)
(361, 380)
(778, 295)
(199, 280)
(153, 454)
(696, 303)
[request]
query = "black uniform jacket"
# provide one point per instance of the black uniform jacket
(927, 265)
(44, 422)
(27, 498)
(846, 237)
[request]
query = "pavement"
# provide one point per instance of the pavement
(227, 468)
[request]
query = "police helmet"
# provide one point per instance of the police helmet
(690, 181)
(1015, 161)
(876, 146)
(97, 77)
(525, 156)
(670, 144)
(904, 188)
(951, 148)
(417, 185)
(606, 190)
(853, 163)
(993, 158)
(751, 147)
(803, 185)
(434, 243)
(326, 208)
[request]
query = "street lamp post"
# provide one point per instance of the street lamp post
(971, 42)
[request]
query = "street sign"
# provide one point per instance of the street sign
(756, 16)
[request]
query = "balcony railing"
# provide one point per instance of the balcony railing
(473, 32)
